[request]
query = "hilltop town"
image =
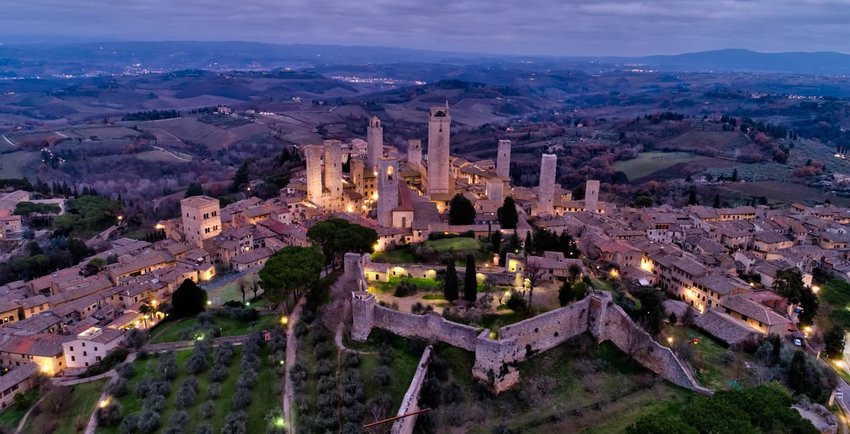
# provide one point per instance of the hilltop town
(542, 267)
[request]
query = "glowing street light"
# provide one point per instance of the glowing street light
(284, 320)
(670, 340)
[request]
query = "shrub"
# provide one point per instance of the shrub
(382, 375)
(385, 354)
(241, 399)
(207, 409)
(178, 419)
(119, 387)
(112, 359)
(351, 360)
(218, 373)
(214, 391)
(323, 351)
(196, 364)
(110, 415)
(204, 428)
(405, 289)
(186, 395)
(130, 424)
(223, 354)
(135, 338)
(274, 422)
(154, 402)
(148, 421)
(235, 423)
(517, 303)
(168, 366)
(126, 370)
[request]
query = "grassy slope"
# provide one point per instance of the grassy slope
(605, 401)
(263, 397)
(85, 397)
(170, 331)
(836, 295)
(454, 244)
(648, 163)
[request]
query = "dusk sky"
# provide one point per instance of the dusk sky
(559, 27)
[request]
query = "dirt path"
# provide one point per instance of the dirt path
(291, 348)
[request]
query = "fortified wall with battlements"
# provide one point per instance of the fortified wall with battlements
(496, 354)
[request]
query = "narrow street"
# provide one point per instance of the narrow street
(291, 348)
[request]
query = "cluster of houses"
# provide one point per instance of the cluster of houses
(719, 263)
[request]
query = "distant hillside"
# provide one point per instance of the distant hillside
(752, 61)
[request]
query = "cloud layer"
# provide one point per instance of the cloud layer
(559, 27)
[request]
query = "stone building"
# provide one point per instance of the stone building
(591, 196)
(414, 153)
(503, 159)
(387, 190)
(375, 143)
(546, 187)
(439, 128)
(201, 219)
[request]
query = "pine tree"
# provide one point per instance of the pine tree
(470, 283)
(450, 283)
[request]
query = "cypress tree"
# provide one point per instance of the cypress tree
(470, 283)
(450, 283)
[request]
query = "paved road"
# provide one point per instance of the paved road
(291, 348)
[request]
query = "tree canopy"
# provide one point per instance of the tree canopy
(289, 271)
(508, 217)
(336, 237)
(461, 211)
(789, 284)
(87, 213)
(470, 282)
(765, 408)
(450, 283)
(189, 299)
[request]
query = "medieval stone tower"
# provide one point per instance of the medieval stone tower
(414, 153)
(374, 143)
(591, 196)
(357, 167)
(387, 190)
(313, 157)
(546, 188)
(495, 189)
(503, 159)
(439, 127)
(333, 169)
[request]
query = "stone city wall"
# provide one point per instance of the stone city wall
(367, 314)
(496, 353)
(410, 402)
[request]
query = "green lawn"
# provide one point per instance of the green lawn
(170, 331)
(836, 295)
(648, 163)
(397, 256)
(710, 372)
(457, 244)
(422, 284)
(580, 386)
(16, 164)
(406, 357)
(10, 418)
(263, 396)
(83, 403)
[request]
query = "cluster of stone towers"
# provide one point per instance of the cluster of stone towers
(547, 186)
(324, 174)
(378, 175)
